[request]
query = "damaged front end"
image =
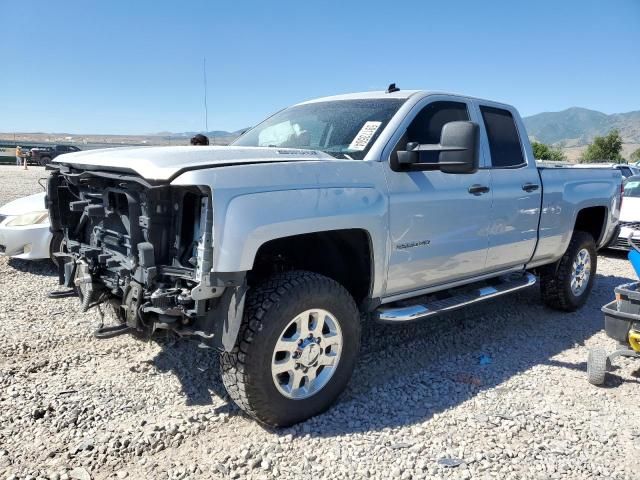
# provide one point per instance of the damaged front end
(146, 250)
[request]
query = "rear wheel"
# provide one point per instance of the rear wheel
(43, 161)
(296, 348)
(567, 284)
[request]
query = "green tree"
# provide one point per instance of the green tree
(604, 149)
(635, 156)
(542, 151)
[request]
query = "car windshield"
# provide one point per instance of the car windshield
(632, 187)
(342, 128)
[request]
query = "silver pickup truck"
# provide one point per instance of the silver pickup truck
(397, 205)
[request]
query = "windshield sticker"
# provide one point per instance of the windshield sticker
(297, 152)
(364, 136)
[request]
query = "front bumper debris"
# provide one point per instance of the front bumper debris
(146, 251)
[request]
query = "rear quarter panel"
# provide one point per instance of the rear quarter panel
(566, 191)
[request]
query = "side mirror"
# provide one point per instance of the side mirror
(457, 151)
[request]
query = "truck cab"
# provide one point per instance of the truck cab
(475, 223)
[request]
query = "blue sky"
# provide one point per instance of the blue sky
(124, 66)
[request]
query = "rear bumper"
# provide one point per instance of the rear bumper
(620, 240)
(30, 242)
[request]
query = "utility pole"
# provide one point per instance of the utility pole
(204, 77)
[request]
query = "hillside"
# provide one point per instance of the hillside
(576, 127)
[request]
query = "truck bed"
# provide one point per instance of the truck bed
(565, 190)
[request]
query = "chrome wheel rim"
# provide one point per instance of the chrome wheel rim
(580, 272)
(306, 354)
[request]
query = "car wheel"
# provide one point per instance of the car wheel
(296, 348)
(566, 285)
(44, 161)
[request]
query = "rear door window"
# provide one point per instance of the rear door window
(504, 141)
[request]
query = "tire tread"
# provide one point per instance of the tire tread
(597, 366)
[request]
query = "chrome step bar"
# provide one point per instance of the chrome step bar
(459, 297)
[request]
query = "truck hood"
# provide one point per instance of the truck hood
(32, 203)
(164, 163)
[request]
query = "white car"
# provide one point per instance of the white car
(629, 215)
(24, 229)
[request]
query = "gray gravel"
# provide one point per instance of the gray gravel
(496, 391)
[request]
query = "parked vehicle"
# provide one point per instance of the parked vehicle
(43, 155)
(24, 229)
(625, 169)
(629, 216)
(397, 204)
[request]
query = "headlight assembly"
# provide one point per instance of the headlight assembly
(31, 218)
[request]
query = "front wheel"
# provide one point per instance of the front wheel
(43, 161)
(296, 348)
(567, 284)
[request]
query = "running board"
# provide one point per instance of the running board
(427, 306)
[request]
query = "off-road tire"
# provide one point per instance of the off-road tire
(246, 370)
(597, 366)
(555, 280)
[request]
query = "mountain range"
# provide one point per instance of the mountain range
(576, 127)
(211, 134)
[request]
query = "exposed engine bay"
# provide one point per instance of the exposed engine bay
(145, 250)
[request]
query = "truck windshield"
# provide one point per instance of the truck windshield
(342, 128)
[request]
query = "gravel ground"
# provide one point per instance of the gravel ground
(498, 391)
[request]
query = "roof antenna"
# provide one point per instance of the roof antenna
(392, 88)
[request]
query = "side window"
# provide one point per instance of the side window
(504, 141)
(427, 125)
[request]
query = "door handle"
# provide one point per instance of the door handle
(477, 189)
(530, 187)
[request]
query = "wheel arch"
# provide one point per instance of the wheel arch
(592, 220)
(345, 255)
